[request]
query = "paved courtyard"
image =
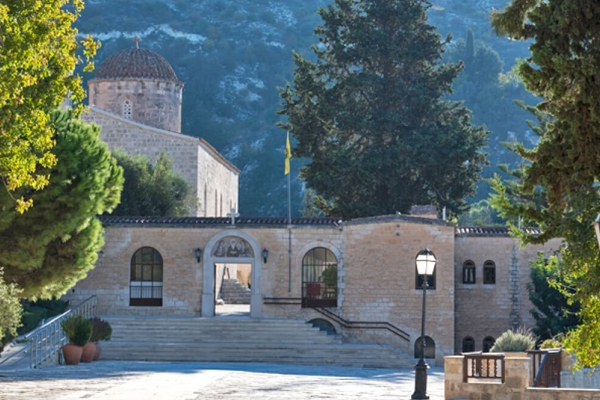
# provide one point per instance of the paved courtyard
(108, 380)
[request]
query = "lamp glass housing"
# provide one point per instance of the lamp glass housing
(426, 262)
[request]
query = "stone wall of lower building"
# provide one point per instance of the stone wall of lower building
(380, 277)
(488, 310)
(376, 274)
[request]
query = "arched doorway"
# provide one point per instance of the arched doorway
(231, 248)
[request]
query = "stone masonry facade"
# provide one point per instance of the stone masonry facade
(376, 274)
(213, 179)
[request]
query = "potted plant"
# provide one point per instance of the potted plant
(78, 331)
(101, 330)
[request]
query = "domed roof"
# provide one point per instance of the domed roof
(136, 63)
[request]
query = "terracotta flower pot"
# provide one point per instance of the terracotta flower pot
(88, 352)
(98, 351)
(72, 354)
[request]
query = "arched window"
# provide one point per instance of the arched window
(216, 203)
(469, 272)
(468, 344)
(146, 284)
(489, 273)
(319, 278)
(429, 347)
(127, 109)
(205, 200)
(488, 343)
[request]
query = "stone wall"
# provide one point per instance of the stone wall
(196, 161)
(380, 277)
(153, 102)
(376, 274)
(516, 385)
(496, 307)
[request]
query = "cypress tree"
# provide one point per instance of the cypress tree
(564, 167)
(370, 113)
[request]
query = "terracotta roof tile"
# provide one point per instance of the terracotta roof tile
(136, 63)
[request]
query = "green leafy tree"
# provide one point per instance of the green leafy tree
(10, 309)
(553, 314)
(38, 55)
(564, 166)
(370, 114)
(152, 190)
(52, 246)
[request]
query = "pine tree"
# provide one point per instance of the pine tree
(564, 166)
(48, 249)
(370, 113)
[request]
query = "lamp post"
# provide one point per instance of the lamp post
(425, 262)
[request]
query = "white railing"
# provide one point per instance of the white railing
(46, 341)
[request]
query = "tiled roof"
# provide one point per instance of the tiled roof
(490, 231)
(197, 221)
(136, 63)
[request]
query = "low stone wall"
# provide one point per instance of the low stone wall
(516, 384)
(586, 378)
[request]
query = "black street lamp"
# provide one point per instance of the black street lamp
(425, 262)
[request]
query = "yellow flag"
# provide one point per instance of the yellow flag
(288, 154)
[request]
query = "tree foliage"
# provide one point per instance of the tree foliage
(370, 114)
(553, 313)
(38, 55)
(10, 309)
(564, 167)
(152, 190)
(52, 246)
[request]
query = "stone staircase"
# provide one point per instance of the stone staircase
(233, 292)
(240, 340)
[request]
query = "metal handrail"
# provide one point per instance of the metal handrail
(46, 341)
(364, 324)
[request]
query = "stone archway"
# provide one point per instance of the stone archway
(232, 246)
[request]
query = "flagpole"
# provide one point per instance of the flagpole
(288, 155)
(289, 233)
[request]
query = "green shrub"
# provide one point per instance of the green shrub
(553, 343)
(35, 312)
(101, 329)
(519, 340)
(77, 329)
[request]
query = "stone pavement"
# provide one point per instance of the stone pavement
(116, 380)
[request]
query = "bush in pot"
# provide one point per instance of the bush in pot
(520, 340)
(101, 330)
(78, 331)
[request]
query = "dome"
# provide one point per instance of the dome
(136, 63)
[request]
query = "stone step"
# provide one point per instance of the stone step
(342, 355)
(240, 340)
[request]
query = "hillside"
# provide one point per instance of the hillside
(233, 54)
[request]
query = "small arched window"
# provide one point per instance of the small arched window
(429, 347)
(145, 288)
(205, 200)
(468, 344)
(469, 272)
(127, 109)
(488, 343)
(489, 273)
(319, 278)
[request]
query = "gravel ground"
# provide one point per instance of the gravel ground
(116, 380)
